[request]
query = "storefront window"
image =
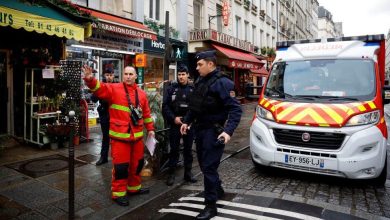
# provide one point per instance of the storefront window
(153, 72)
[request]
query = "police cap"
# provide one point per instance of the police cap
(182, 68)
(108, 70)
(205, 54)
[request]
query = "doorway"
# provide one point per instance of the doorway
(5, 117)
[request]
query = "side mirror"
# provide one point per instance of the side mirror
(386, 94)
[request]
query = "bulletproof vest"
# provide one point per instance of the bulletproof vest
(180, 99)
(202, 101)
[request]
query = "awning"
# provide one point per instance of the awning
(260, 72)
(121, 25)
(39, 19)
(238, 59)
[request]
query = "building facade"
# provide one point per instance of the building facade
(387, 68)
(326, 26)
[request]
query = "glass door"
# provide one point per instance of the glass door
(115, 64)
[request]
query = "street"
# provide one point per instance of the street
(270, 193)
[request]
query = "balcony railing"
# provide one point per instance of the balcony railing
(239, 1)
(268, 19)
(262, 14)
(254, 9)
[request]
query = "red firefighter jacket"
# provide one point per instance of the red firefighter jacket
(121, 126)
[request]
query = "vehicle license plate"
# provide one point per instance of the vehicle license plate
(304, 161)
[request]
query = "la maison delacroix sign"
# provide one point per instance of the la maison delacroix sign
(206, 34)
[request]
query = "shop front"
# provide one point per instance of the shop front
(235, 57)
(114, 43)
(154, 50)
(32, 44)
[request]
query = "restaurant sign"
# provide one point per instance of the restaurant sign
(124, 30)
(213, 35)
(240, 64)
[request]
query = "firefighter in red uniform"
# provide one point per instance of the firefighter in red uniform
(129, 113)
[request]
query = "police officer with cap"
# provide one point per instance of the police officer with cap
(175, 106)
(215, 114)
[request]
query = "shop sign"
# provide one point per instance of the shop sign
(31, 22)
(225, 12)
(203, 35)
(106, 54)
(140, 60)
(243, 64)
(124, 30)
(114, 41)
(158, 46)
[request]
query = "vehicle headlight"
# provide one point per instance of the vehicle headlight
(264, 113)
(364, 119)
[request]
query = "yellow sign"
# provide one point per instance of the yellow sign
(31, 22)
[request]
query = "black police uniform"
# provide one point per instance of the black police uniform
(104, 118)
(175, 104)
(213, 109)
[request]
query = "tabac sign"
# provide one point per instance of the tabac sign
(213, 35)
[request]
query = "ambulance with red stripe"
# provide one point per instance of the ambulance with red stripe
(322, 109)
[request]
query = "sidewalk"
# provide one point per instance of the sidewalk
(34, 181)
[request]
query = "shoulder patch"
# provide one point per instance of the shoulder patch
(232, 93)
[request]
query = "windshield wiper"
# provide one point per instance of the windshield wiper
(343, 98)
(280, 93)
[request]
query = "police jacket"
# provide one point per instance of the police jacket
(213, 102)
(176, 101)
(121, 125)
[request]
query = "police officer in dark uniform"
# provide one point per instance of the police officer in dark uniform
(175, 106)
(215, 114)
(104, 118)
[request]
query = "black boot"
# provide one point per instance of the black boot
(220, 192)
(171, 177)
(208, 212)
(101, 161)
(189, 177)
(122, 201)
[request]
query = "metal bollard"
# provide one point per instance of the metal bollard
(71, 166)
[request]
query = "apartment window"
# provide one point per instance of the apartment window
(246, 31)
(273, 44)
(198, 14)
(272, 10)
(154, 9)
(268, 41)
(261, 38)
(219, 18)
(238, 26)
(254, 34)
(267, 7)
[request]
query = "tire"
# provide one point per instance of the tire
(381, 179)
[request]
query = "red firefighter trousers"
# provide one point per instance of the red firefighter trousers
(128, 161)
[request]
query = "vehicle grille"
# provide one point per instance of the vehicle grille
(318, 140)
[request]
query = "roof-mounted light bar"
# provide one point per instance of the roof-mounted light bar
(364, 38)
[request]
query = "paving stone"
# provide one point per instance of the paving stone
(12, 181)
(83, 212)
(51, 211)
(33, 215)
(33, 194)
(10, 209)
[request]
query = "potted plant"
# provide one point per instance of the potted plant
(58, 135)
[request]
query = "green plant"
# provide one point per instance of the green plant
(271, 52)
(263, 50)
(152, 24)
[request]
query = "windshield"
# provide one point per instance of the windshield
(345, 80)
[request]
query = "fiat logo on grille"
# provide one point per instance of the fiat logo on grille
(305, 137)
